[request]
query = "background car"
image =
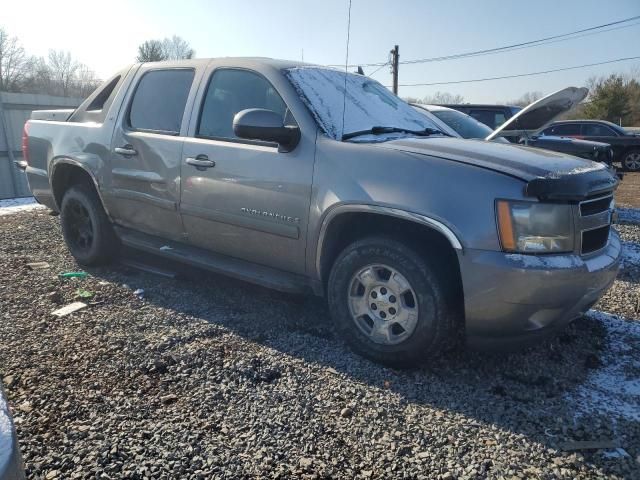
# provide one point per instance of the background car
(522, 124)
(625, 144)
(491, 115)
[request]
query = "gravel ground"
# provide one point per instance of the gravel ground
(206, 377)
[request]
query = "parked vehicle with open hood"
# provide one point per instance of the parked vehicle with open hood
(625, 143)
(524, 124)
(300, 177)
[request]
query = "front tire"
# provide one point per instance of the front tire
(86, 228)
(389, 303)
(631, 161)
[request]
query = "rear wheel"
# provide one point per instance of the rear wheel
(389, 303)
(631, 161)
(86, 228)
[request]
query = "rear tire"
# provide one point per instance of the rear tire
(389, 304)
(631, 161)
(86, 228)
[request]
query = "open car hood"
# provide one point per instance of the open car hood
(541, 112)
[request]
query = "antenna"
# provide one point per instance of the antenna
(346, 67)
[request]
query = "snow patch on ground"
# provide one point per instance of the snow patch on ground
(630, 253)
(367, 104)
(15, 205)
(614, 388)
(6, 433)
(629, 215)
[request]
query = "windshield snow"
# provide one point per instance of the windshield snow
(368, 103)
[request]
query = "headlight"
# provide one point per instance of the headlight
(528, 227)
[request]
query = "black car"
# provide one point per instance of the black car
(626, 145)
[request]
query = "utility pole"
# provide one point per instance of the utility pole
(395, 60)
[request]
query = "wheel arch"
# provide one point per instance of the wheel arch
(66, 172)
(345, 223)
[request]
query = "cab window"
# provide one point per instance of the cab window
(159, 101)
(230, 91)
(566, 130)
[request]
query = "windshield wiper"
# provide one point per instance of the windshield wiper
(382, 130)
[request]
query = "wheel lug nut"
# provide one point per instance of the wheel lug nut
(383, 291)
(374, 295)
(392, 311)
(383, 315)
(374, 306)
(392, 299)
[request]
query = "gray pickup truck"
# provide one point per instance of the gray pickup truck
(304, 178)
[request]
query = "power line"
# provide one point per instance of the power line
(518, 75)
(515, 46)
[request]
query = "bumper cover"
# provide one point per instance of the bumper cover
(514, 300)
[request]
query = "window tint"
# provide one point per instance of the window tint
(596, 130)
(231, 91)
(100, 99)
(159, 100)
(565, 130)
(464, 125)
(491, 118)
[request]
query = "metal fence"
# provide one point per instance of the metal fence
(15, 109)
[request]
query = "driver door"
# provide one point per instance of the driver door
(244, 198)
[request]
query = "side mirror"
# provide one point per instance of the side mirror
(267, 125)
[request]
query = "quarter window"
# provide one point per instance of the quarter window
(230, 91)
(596, 130)
(159, 100)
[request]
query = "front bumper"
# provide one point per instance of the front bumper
(514, 300)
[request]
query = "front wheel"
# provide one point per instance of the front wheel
(631, 161)
(389, 304)
(86, 228)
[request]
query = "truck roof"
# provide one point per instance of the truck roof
(244, 61)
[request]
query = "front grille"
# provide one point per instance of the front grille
(595, 223)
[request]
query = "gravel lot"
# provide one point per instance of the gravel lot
(206, 377)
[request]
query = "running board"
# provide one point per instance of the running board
(214, 262)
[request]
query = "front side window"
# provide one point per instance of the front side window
(159, 101)
(566, 130)
(596, 130)
(230, 91)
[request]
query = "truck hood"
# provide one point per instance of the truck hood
(548, 174)
(541, 112)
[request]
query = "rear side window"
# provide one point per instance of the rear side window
(491, 118)
(100, 99)
(596, 130)
(230, 91)
(159, 101)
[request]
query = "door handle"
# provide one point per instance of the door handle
(200, 162)
(127, 151)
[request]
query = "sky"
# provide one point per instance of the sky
(105, 35)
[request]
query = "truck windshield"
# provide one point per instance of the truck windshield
(466, 126)
(367, 104)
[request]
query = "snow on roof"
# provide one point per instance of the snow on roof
(367, 104)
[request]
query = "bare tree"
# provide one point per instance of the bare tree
(63, 70)
(151, 51)
(176, 48)
(13, 62)
(85, 82)
(526, 99)
(443, 97)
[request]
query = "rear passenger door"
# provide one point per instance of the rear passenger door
(249, 200)
(146, 149)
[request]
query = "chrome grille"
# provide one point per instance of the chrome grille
(594, 223)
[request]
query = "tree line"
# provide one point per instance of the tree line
(60, 74)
